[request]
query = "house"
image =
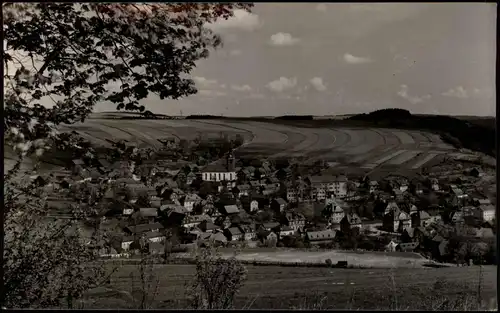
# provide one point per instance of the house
(254, 206)
(269, 226)
(175, 214)
(233, 234)
(291, 194)
(208, 226)
(391, 206)
(223, 221)
(487, 212)
(478, 202)
(295, 221)
(420, 218)
(333, 212)
(126, 242)
(350, 221)
(485, 233)
(143, 228)
(191, 200)
(267, 237)
(217, 171)
(286, 231)
(231, 209)
(434, 184)
(176, 195)
(416, 187)
(457, 217)
(318, 237)
(398, 194)
(255, 184)
(278, 205)
(318, 193)
(243, 190)
(213, 239)
(173, 207)
(156, 248)
(249, 232)
(396, 221)
(128, 211)
(103, 163)
(170, 183)
(190, 178)
(269, 192)
(403, 185)
(335, 184)
(191, 221)
(407, 247)
(155, 236)
(413, 209)
(391, 246)
(373, 186)
(155, 203)
(435, 216)
(148, 212)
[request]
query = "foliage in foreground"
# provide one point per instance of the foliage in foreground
(46, 263)
(60, 60)
(216, 282)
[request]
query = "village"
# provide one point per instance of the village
(197, 194)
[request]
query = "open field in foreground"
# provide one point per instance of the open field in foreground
(363, 260)
(276, 287)
(367, 148)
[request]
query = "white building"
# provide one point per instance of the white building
(487, 212)
(291, 195)
(190, 201)
(254, 206)
(335, 184)
(220, 171)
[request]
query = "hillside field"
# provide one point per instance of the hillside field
(364, 148)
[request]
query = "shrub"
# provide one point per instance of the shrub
(216, 282)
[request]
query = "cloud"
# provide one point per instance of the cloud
(317, 82)
(321, 7)
(256, 96)
(283, 39)
(403, 93)
(458, 92)
(211, 93)
(241, 20)
(204, 82)
(234, 52)
(369, 7)
(231, 53)
(241, 88)
(282, 84)
(351, 59)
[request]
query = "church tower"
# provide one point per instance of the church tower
(230, 161)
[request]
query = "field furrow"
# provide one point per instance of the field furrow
(426, 159)
(404, 157)
(272, 140)
(404, 137)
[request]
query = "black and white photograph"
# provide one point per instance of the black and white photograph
(255, 156)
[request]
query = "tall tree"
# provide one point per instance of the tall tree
(60, 60)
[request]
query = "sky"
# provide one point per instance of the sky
(345, 58)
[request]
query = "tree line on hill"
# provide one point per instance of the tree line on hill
(457, 132)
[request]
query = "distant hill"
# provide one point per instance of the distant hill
(128, 115)
(474, 133)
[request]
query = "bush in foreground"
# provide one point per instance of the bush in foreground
(216, 281)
